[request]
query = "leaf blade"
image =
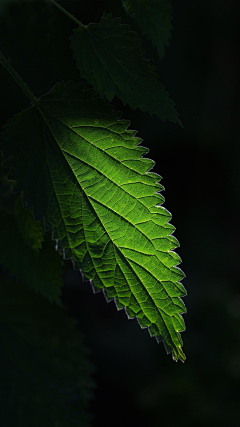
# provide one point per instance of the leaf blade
(41, 271)
(104, 210)
(110, 57)
(31, 230)
(154, 19)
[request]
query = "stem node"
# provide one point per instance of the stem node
(68, 14)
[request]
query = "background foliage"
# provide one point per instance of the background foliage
(137, 384)
(45, 377)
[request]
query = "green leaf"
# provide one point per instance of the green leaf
(32, 231)
(42, 270)
(85, 173)
(45, 372)
(154, 18)
(110, 57)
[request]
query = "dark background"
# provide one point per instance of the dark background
(137, 383)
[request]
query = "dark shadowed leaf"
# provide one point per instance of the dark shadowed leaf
(32, 231)
(154, 18)
(41, 270)
(110, 57)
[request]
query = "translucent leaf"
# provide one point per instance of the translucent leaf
(45, 372)
(84, 171)
(110, 57)
(154, 19)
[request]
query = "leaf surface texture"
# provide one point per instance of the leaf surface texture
(85, 173)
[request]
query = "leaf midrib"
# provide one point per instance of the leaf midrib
(103, 151)
(72, 155)
(151, 298)
(114, 245)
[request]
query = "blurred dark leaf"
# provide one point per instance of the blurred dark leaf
(45, 372)
(41, 271)
(109, 55)
(154, 18)
(31, 231)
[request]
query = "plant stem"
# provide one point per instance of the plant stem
(18, 79)
(67, 13)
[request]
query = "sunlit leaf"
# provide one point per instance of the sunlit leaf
(84, 172)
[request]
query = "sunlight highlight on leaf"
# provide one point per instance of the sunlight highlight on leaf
(85, 173)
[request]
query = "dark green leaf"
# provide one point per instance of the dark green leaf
(85, 173)
(41, 271)
(110, 57)
(32, 231)
(154, 18)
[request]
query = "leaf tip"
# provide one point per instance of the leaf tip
(178, 354)
(180, 123)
